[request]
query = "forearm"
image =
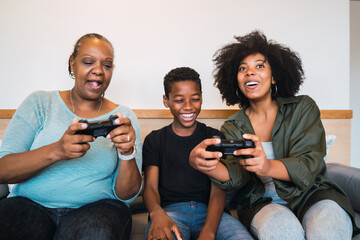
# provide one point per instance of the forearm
(152, 202)
(128, 180)
(18, 167)
(278, 171)
(220, 173)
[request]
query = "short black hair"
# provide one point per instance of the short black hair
(285, 65)
(178, 75)
(79, 42)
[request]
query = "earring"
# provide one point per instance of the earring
(72, 75)
(273, 92)
(237, 92)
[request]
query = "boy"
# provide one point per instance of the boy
(182, 202)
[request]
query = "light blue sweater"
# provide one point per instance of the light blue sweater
(42, 119)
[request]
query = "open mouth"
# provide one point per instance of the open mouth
(252, 83)
(188, 116)
(95, 84)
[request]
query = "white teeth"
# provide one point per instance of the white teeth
(252, 83)
(187, 115)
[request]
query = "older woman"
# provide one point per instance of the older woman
(70, 185)
(283, 191)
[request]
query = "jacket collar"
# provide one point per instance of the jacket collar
(282, 102)
(242, 119)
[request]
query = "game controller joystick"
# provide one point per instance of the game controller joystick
(228, 146)
(99, 128)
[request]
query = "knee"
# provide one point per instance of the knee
(231, 228)
(276, 222)
(327, 220)
(95, 229)
(22, 218)
(99, 220)
(285, 231)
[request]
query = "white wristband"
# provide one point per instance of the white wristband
(127, 157)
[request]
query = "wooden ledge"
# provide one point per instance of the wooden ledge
(225, 113)
(205, 113)
(6, 113)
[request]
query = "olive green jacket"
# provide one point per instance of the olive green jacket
(298, 140)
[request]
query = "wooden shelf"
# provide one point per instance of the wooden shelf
(205, 113)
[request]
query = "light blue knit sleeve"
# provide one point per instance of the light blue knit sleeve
(138, 145)
(24, 125)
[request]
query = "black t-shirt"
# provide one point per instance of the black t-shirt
(178, 181)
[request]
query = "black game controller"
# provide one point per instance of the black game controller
(99, 128)
(228, 146)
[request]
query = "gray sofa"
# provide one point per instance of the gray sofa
(347, 177)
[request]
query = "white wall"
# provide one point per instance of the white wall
(355, 81)
(152, 37)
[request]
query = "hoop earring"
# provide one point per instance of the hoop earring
(237, 92)
(72, 75)
(273, 92)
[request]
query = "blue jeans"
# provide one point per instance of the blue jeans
(190, 218)
(21, 218)
(324, 220)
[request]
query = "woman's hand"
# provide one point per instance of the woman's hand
(123, 136)
(73, 145)
(203, 160)
(258, 164)
(162, 227)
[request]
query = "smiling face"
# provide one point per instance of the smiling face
(92, 68)
(255, 77)
(184, 101)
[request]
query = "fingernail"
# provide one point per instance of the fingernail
(83, 125)
(108, 136)
(117, 121)
(220, 154)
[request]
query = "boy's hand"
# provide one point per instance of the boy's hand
(162, 227)
(203, 160)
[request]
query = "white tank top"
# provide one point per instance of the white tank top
(270, 190)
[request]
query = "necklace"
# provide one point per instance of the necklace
(73, 107)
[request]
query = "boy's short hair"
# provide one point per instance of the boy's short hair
(178, 75)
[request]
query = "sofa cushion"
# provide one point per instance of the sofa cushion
(4, 191)
(139, 223)
(329, 140)
(348, 178)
